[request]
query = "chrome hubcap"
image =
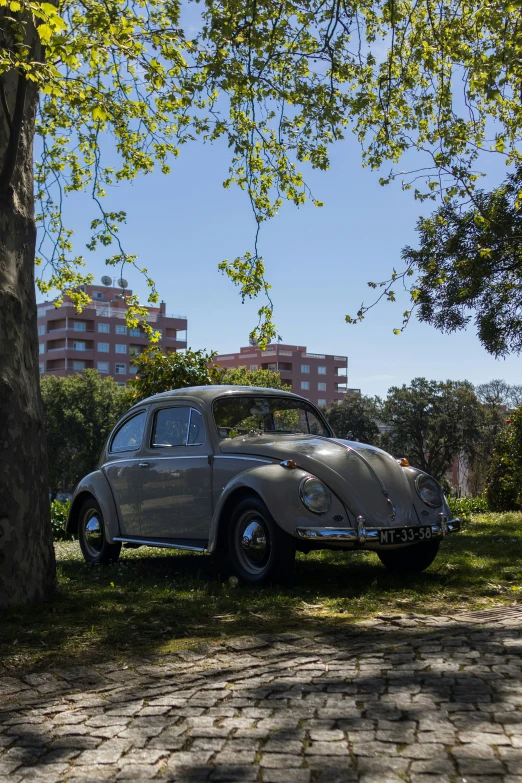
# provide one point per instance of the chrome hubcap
(93, 534)
(253, 542)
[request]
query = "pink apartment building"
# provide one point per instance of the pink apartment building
(321, 378)
(98, 337)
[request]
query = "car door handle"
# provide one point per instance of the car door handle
(143, 464)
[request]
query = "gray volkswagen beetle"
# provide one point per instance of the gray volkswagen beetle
(252, 475)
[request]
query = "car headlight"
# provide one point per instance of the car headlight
(314, 495)
(428, 490)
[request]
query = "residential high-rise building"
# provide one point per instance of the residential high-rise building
(321, 378)
(99, 337)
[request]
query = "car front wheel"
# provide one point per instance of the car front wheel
(91, 534)
(259, 550)
(410, 559)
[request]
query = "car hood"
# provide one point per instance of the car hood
(366, 479)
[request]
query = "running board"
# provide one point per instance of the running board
(190, 544)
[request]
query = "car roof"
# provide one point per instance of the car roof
(206, 394)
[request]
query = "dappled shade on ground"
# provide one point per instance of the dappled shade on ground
(158, 601)
(389, 703)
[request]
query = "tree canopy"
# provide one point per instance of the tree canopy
(79, 414)
(241, 376)
(358, 415)
(280, 80)
(431, 422)
(469, 267)
(158, 371)
(504, 486)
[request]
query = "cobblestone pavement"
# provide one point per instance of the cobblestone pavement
(397, 699)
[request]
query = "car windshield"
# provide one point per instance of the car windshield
(242, 415)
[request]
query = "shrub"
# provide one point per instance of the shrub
(465, 507)
(504, 482)
(59, 513)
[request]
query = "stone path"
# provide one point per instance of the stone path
(400, 699)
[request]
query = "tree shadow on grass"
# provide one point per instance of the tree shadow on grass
(157, 601)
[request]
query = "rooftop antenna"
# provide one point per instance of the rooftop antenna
(106, 280)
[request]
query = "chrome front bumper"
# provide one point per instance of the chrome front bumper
(369, 535)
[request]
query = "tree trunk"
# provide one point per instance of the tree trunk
(27, 565)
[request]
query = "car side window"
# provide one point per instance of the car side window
(170, 427)
(196, 429)
(130, 434)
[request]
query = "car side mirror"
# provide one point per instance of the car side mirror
(349, 435)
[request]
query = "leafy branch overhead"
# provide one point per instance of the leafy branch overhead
(279, 80)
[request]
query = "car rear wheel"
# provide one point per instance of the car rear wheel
(259, 551)
(91, 534)
(410, 559)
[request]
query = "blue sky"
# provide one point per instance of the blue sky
(318, 261)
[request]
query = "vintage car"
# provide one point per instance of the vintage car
(252, 475)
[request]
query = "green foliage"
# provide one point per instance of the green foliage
(431, 423)
(279, 81)
(240, 376)
(79, 413)
(356, 414)
(469, 267)
(467, 507)
(158, 372)
(504, 485)
(59, 512)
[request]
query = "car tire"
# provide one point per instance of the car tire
(91, 535)
(258, 550)
(410, 559)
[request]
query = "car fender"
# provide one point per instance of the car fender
(426, 515)
(97, 486)
(278, 488)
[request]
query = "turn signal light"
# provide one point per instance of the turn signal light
(403, 462)
(288, 463)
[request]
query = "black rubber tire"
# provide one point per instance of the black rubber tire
(103, 553)
(278, 562)
(410, 559)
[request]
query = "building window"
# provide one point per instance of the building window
(77, 365)
(253, 366)
(79, 326)
(98, 295)
(121, 383)
(132, 369)
(41, 330)
(78, 346)
(120, 369)
(321, 403)
(321, 386)
(41, 348)
(104, 328)
(102, 366)
(41, 367)
(103, 347)
(305, 368)
(121, 329)
(121, 348)
(135, 332)
(305, 385)
(321, 370)
(135, 350)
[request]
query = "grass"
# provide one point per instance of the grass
(158, 601)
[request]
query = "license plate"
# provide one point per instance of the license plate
(404, 535)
